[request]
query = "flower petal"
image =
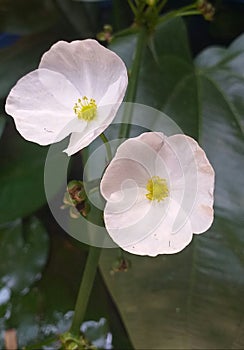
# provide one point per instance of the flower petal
(125, 208)
(198, 174)
(41, 104)
(125, 173)
(79, 140)
(130, 217)
(143, 227)
(142, 149)
(89, 66)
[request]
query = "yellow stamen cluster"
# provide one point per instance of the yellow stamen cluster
(85, 109)
(157, 189)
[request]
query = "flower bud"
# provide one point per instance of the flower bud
(106, 34)
(151, 2)
(206, 8)
(121, 264)
(69, 342)
(76, 199)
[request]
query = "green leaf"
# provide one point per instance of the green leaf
(21, 177)
(82, 17)
(194, 299)
(26, 16)
(2, 125)
(167, 64)
(20, 244)
(221, 87)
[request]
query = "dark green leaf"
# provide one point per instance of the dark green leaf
(24, 251)
(26, 16)
(194, 299)
(79, 16)
(42, 312)
(21, 177)
(167, 74)
(2, 124)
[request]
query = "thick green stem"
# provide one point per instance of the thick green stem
(85, 289)
(133, 82)
(89, 272)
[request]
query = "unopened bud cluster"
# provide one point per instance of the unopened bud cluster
(151, 2)
(206, 8)
(69, 342)
(75, 199)
(106, 34)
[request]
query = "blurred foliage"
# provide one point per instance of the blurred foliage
(38, 303)
(21, 176)
(228, 22)
(26, 16)
(165, 302)
(2, 125)
(22, 242)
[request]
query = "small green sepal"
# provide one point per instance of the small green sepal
(70, 342)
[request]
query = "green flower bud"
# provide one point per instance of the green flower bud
(76, 199)
(106, 34)
(69, 342)
(151, 2)
(206, 8)
(108, 28)
(101, 36)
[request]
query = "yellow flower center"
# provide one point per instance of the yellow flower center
(157, 189)
(85, 109)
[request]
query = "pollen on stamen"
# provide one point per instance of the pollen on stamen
(157, 189)
(85, 108)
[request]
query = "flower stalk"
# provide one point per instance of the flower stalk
(107, 145)
(199, 7)
(133, 82)
(88, 275)
(85, 290)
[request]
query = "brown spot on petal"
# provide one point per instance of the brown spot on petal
(208, 211)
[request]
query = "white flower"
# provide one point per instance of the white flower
(159, 191)
(76, 90)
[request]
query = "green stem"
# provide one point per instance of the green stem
(161, 6)
(124, 32)
(188, 10)
(107, 145)
(132, 6)
(189, 13)
(187, 7)
(85, 289)
(178, 13)
(133, 82)
(89, 273)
